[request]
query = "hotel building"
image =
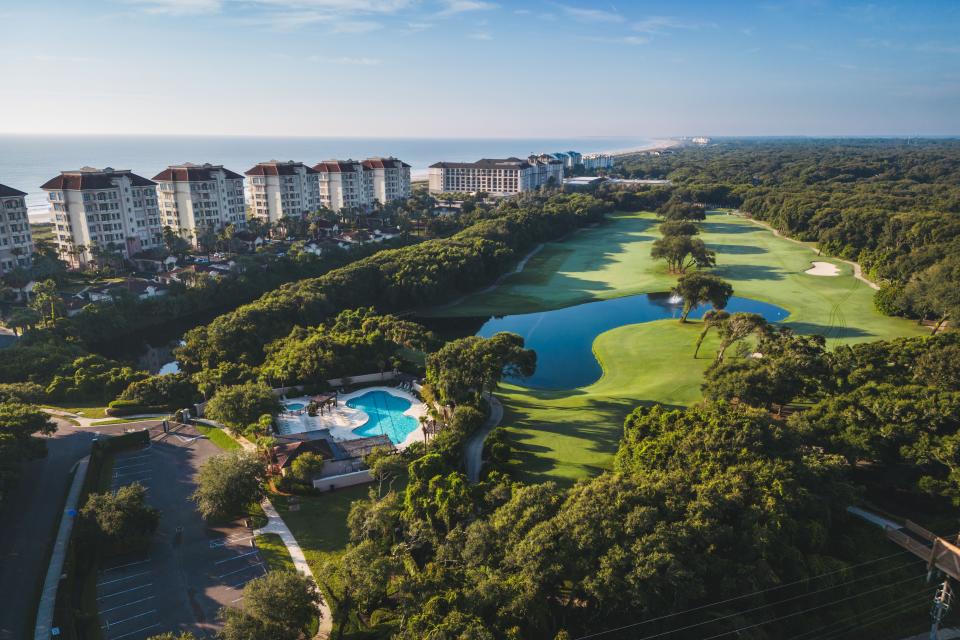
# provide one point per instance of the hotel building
(500, 177)
(108, 208)
(597, 161)
(16, 245)
(198, 197)
(282, 189)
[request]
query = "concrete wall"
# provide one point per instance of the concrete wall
(345, 480)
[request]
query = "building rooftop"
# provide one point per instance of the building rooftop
(91, 178)
(484, 163)
(278, 168)
(337, 166)
(189, 172)
(384, 163)
(10, 192)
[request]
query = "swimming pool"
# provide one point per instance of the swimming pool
(294, 406)
(386, 416)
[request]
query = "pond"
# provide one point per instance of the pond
(563, 338)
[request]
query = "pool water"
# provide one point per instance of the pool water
(386, 416)
(295, 406)
(563, 338)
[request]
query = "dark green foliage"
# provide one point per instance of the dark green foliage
(682, 253)
(278, 606)
(463, 369)
(354, 341)
(117, 522)
(92, 378)
(241, 405)
(171, 391)
(699, 288)
(21, 392)
(228, 483)
(18, 424)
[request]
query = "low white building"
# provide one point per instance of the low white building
(16, 245)
(194, 198)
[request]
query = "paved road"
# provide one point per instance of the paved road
(29, 515)
(473, 451)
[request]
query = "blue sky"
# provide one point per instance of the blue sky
(480, 68)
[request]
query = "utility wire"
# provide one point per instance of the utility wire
(837, 625)
(898, 612)
(797, 613)
(755, 593)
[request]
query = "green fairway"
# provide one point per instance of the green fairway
(565, 435)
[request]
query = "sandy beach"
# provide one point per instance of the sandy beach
(655, 145)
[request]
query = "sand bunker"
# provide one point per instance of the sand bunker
(823, 269)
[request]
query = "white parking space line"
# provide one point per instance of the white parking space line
(121, 566)
(110, 595)
(240, 584)
(242, 555)
(241, 570)
(142, 573)
(222, 542)
(132, 465)
(121, 606)
(141, 629)
(132, 473)
(113, 623)
(131, 458)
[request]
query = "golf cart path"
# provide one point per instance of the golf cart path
(473, 451)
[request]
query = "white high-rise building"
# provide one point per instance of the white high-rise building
(499, 177)
(342, 185)
(194, 198)
(113, 209)
(281, 189)
(16, 245)
(387, 179)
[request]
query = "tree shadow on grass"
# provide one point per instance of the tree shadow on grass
(748, 272)
(736, 249)
(828, 331)
(728, 227)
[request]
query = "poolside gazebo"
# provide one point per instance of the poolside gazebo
(323, 400)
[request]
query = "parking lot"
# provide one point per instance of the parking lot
(191, 569)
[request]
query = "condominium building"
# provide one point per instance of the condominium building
(282, 189)
(386, 179)
(113, 209)
(342, 185)
(495, 176)
(194, 198)
(16, 245)
(593, 161)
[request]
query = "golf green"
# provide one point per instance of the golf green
(569, 434)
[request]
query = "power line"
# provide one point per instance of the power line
(755, 593)
(798, 613)
(898, 612)
(837, 625)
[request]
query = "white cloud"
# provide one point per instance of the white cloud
(453, 7)
(480, 35)
(369, 62)
(661, 24)
(591, 15)
(178, 7)
(356, 26)
(631, 40)
(938, 47)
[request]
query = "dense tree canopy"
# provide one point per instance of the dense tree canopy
(463, 369)
(228, 483)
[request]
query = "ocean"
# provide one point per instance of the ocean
(27, 161)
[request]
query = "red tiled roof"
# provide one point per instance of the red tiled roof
(9, 192)
(192, 173)
(384, 163)
(336, 166)
(275, 168)
(80, 180)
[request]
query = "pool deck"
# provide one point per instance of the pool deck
(341, 420)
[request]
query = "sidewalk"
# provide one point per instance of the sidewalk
(48, 599)
(275, 524)
(473, 450)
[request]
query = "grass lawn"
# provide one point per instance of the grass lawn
(86, 411)
(274, 552)
(320, 522)
(218, 437)
(571, 434)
